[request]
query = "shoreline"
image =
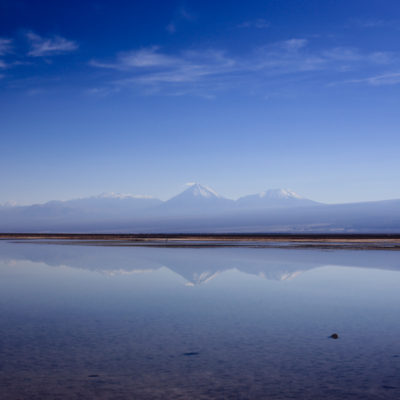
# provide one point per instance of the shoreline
(289, 241)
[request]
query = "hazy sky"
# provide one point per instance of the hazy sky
(141, 97)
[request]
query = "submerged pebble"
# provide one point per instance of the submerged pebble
(334, 336)
(191, 353)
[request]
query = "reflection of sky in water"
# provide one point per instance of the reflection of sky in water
(259, 319)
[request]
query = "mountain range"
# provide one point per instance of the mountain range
(200, 209)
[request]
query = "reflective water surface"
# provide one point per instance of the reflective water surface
(100, 322)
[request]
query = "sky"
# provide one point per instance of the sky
(141, 97)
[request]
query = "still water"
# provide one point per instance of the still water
(101, 322)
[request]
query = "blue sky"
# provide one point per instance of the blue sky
(142, 97)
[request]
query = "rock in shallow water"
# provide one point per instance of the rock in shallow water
(191, 353)
(334, 336)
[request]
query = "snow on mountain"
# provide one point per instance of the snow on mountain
(113, 195)
(90, 210)
(197, 199)
(201, 209)
(197, 190)
(279, 194)
(113, 205)
(274, 198)
(9, 204)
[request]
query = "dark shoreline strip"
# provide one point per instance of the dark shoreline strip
(202, 236)
(292, 241)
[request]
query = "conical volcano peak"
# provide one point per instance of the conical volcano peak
(198, 190)
(197, 199)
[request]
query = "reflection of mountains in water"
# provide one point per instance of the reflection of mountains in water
(196, 266)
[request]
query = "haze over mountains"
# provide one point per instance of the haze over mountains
(200, 209)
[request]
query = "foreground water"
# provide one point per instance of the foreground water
(98, 322)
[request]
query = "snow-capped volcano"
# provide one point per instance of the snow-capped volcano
(279, 194)
(197, 190)
(200, 209)
(197, 199)
(274, 198)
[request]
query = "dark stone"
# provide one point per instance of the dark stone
(191, 353)
(334, 336)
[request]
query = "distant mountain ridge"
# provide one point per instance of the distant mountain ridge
(195, 197)
(274, 198)
(200, 209)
